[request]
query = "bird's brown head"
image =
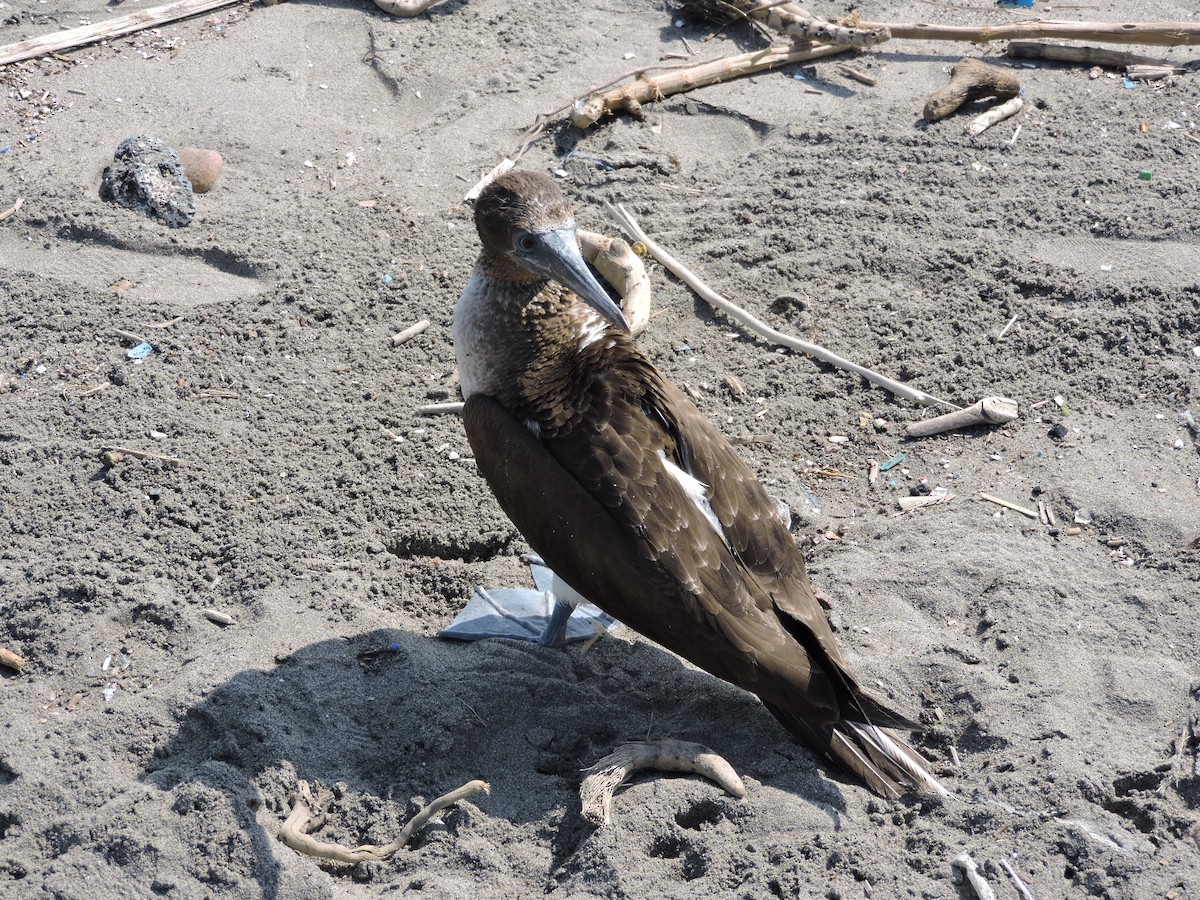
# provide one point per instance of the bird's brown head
(528, 233)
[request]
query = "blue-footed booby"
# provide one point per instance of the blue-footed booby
(634, 499)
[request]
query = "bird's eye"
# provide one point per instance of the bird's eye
(526, 242)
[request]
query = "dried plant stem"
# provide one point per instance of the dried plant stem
(666, 755)
(1163, 34)
(308, 815)
(646, 88)
(970, 871)
(626, 221)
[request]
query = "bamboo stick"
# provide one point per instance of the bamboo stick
(121, 25)
(646, 88)
(1163, 34)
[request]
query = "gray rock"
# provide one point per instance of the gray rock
(147, 176)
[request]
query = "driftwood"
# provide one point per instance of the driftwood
(668, 755)
(988, 411)
(645, 88)
(1091, 56)
(308, 815)
(617, 264)
(121, 25)
(1005, 110)
(1161, 34)
(970, 79)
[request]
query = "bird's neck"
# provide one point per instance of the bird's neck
(533, 346)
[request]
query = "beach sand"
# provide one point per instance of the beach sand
(148, 751)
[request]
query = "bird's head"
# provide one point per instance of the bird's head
(526, 226)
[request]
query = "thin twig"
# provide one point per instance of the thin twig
(440, 409)
(12, 210)
(1022, 889)
(1008, 504)
(626, 221)
(143, 454)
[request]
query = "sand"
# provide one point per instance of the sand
(148, 751)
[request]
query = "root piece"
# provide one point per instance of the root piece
(646, 88)
(666, 755)
(988, 411)
(615, 260)
(1005, 110)
(308, 815)
(970, 79)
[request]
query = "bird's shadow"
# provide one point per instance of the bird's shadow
(428, 715)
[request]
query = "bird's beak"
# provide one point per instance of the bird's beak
(556, 255)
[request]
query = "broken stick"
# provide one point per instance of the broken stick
(666, 755)
(988, 411)
(1162, 34)
(1091, 56)
(646, 88)
(1005, 110)
(616, 262)
(787, 19)
(308, 815)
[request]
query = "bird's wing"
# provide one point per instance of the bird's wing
(600, 503)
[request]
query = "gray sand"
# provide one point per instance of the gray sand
(146, 751)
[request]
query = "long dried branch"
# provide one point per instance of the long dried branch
(646, 88)
(1164, 34)
(121, 25)
(630, 226)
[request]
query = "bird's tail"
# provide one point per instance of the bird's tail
(876, 755)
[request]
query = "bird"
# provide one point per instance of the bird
(635, 500)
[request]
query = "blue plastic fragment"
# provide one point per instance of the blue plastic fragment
(4, 149)
(894, 461)
(141, 351)
(1128, 84)
(387, 279)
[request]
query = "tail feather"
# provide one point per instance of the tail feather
(875, 755)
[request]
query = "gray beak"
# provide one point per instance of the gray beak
(556, 255)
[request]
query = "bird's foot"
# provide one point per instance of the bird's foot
(542, 615)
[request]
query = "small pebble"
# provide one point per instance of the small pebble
(201, 167)
(1058, 432)
(1072, 530)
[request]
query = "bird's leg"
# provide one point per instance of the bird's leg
(543, 615)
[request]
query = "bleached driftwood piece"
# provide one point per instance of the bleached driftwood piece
(1005, 110)
(1160, 34)
(787, 19)
(988, 411)
(630, 226)
(110, 28)
(970, 871)
(646, 87)
(1090, 56)
(615, 260)
(667, 755)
